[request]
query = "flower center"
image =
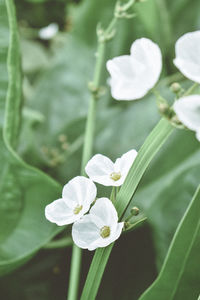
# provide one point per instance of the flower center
(105, 232)
(115, 176)
(77, 209)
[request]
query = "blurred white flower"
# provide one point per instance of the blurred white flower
(99, 228)
(132, 76)
(77, 196)
(102, 170)
(48, 32)
(188, 112)
(188, 55)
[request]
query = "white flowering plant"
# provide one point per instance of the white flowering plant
(109, 165)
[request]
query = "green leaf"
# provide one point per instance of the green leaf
(25, 191)
(13, 103)
(180, 275)
(166, 191)
(151, 146)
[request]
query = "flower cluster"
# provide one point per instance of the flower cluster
(132, 76)
(100, 226)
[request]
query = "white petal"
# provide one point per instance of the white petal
(132, 76)
(58, 212)
(198, 135)
(99, 168)
(146, 52)
(187, 59)
(85, 232)
(103, 242)
(188, 111)
(124, 163)
(48, 32)
(105, 213)
(79, 191)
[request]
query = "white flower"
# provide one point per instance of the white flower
(188, 55)
(132, 76)
(188, 112)
(77, 196)
(48, 32)
(99, 228)
(102, 170)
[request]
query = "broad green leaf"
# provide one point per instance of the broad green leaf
(179, 277)
(126, 127)
(25, 191)
(153, 143)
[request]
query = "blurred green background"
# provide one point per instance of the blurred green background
(56, 74)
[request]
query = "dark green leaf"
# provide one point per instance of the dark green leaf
(25, 191)
(179, 277)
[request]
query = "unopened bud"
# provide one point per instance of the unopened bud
(135, 211)
(175, 87)
(62, 138)
(163, 107)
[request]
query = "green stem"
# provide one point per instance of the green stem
(62, 243)
(74, 273)
(191, 89)
(87, 153)
(90, 124)
(166, 22)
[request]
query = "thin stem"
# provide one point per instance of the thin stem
(111, 25)
(191, 89)
(62, 243)
(74, 273)
(90, 124)
(87, 153)
(87, 149)
(167, 28)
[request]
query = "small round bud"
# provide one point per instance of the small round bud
(62, 138)
(175, 87)
(163, 107)
(64, 146)
(135, 211)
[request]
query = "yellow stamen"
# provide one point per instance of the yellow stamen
(115, 176)
(105, 232)
(78, 209)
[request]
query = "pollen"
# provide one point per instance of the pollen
(77, 209)
(115, 176)
(105, 232)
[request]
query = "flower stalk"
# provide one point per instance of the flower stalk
(103, 37)
(88, 145)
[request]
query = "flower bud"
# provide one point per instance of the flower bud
(175, 87)
(135, 211)
(163, 108)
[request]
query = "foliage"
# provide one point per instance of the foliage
(55, 102)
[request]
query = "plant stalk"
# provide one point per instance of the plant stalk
(87, 153)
